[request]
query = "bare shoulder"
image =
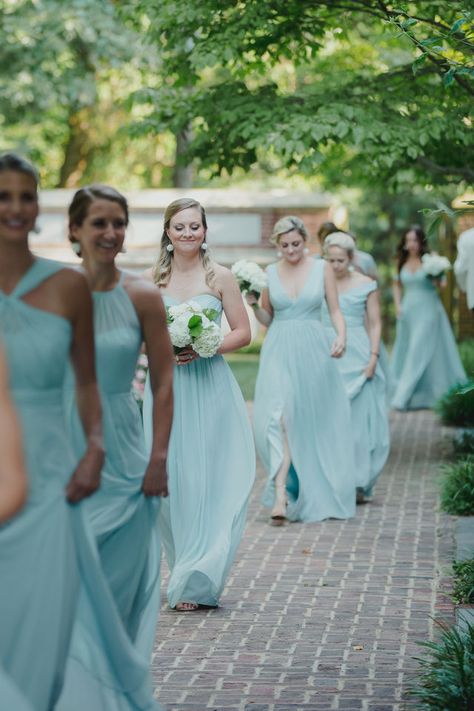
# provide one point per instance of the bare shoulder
(144, 294)
(224, 277)
(148, 275)
(360, 279)
(70, 280)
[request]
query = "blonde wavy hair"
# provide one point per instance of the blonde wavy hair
(164, 263)
(288, 224)
(342, 240)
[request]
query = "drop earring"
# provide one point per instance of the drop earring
(76, 248)
(306, 250)
(279, 254)
(204, 246)
(169, 248)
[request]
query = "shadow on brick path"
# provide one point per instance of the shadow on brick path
(324, 615)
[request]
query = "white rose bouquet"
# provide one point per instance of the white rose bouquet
(189, 325)
(250, 277)
(434, 265)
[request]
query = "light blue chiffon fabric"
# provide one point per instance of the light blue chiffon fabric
(39, 569)
(370, 426)
(425, 359)
(11, 698)
(211, 468)
(49, 565)
(300, 389)
(122, 520)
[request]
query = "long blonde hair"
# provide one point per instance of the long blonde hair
(164, 263)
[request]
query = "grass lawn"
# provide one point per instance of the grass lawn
(244, 366)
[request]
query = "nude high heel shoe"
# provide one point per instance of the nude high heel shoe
(278, 514)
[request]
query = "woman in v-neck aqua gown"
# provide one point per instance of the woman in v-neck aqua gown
(211, 461)
(425, 359)
(301, 409)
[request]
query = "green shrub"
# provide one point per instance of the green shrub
(457, 492)
(456, 407)
(466, 351)
(464, 444)
(463, 583)
(446, 675)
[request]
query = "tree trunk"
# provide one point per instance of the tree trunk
(77, 149)
(183, 174)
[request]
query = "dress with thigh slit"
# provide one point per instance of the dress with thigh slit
(300, 394)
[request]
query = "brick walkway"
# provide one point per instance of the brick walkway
(327, 615)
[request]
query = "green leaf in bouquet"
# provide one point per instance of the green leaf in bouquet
(195, 325)
(211, 314)
(169, 318)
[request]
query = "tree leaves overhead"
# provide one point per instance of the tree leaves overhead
(359, 90)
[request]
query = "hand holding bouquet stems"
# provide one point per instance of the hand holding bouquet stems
(434, 265)
(193, 330)
(250, 277)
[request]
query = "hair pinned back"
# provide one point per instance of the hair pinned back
(342, 240)
(83, 199)
(17, 164)
(288, 224)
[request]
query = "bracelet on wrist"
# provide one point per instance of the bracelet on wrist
(374, 353)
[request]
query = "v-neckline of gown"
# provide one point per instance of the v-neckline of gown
(295, 299)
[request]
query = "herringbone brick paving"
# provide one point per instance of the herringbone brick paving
(325, 615)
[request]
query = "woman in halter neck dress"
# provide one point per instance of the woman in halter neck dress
(13, 489)
(45, 320)
(211, 462)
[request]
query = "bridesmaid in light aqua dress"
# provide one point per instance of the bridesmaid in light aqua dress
(45, 317)
(301, 409)
(12, 498)
(425, 358)
(211, 463)
(360, 369)
(123, 514)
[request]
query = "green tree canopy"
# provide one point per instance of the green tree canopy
(356, 90)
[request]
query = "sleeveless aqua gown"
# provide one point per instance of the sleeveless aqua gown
(299, 386)
(425, 359)
(123, 520)
(368, 398)
(49, 565)
(211, 468)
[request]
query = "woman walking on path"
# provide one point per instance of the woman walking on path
(360, 369)
(45, 319)
(13, 488)
(425, 360)
(211, 461)
(127, 311)
(301, 409)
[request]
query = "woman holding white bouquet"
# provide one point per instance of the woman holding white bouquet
(425, 360)
(211, 462)
(302, 414)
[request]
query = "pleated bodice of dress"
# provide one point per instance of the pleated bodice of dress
(417, 285)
